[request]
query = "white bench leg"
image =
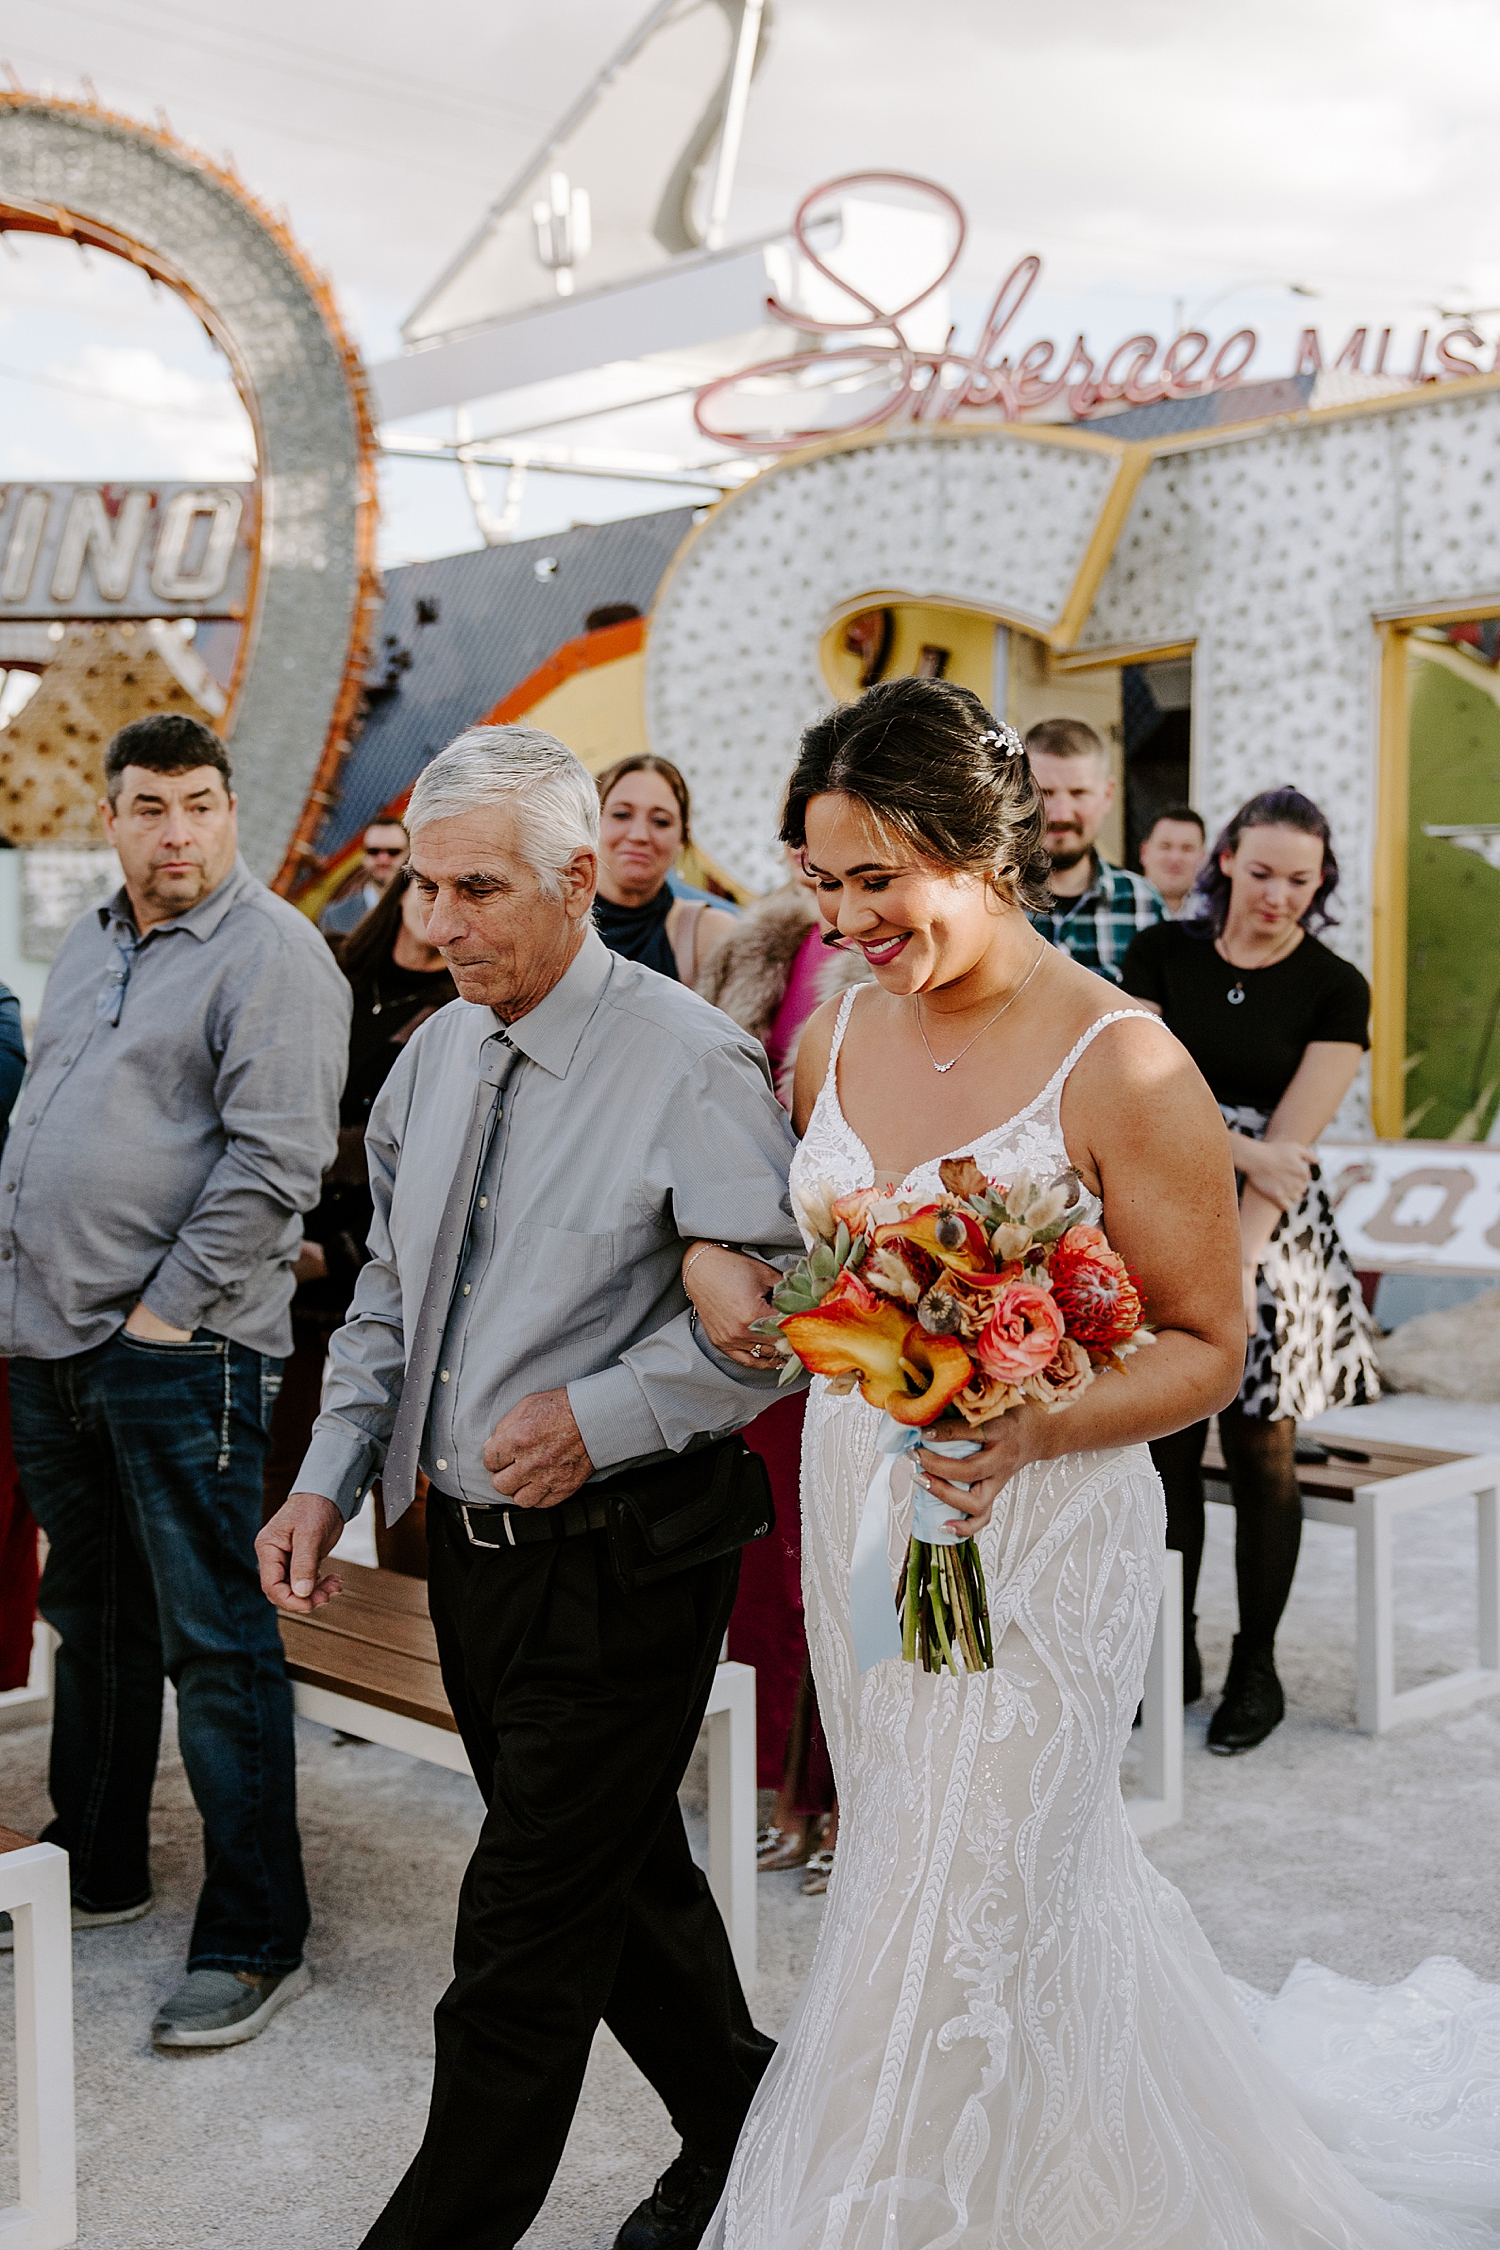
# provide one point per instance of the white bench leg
(1160, 1803)
(731, 1809)
(1380, 1705)
(1375, 1622)
(31, 1705)
(34, 1892)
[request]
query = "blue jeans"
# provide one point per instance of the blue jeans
(142, 1463)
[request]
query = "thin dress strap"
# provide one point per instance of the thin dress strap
(1116, 1015)
(841, 1025)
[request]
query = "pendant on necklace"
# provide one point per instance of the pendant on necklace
(943, 1069)
(1235, 994)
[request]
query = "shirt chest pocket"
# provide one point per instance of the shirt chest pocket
(589, 1278)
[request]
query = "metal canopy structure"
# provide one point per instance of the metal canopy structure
(88, 175)
(637, 173)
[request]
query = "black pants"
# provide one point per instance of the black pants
(579, 1706)
(1260, 1457)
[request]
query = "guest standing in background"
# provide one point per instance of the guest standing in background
(1097, 909)
(645, 823)
(19, 1570)
(398, 980)
(384, 856)
(179, 1113)
(1277, 1024)
(1171, 854)
(770, 974)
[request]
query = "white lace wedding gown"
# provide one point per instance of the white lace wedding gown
(1014, 2035)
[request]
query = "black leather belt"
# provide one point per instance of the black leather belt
(527, 1527)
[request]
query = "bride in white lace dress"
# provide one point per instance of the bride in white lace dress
(1014, 2035)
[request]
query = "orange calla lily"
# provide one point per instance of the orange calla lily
(945, 1362)
(908, 1374)
(971, 1255)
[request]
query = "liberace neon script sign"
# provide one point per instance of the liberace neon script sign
(882, 376)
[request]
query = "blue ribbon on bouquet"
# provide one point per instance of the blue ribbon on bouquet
(872, 1600)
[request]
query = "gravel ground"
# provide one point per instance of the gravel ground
(1367, 1855)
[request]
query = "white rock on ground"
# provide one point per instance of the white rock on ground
(1367, 1855)
(1454, 1354)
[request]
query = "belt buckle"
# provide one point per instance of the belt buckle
(493, 1544)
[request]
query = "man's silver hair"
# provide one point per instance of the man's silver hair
(534, 776)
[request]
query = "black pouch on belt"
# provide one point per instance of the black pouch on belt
(671, 1516)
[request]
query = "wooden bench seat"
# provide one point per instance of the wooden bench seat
(376, 1643)
(1353, 1464)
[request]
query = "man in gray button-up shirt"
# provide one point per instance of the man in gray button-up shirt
(180, 1107)
(540, 1159)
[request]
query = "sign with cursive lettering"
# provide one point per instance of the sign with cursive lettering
(1416, 1206)
(878, 375)
(124, 550)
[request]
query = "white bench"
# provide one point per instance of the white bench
(1369, 1480)
(1159, 1804)
(34, 1893)
(367, 1664)
(1380, 1705)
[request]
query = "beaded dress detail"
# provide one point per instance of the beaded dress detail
(1014, 2035)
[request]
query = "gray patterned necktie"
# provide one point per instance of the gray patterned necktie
(399, 1478)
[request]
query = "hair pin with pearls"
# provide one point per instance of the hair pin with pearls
(1006, 741)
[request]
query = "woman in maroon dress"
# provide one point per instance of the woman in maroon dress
(770, 975)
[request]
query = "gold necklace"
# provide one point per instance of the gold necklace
(942, 1069)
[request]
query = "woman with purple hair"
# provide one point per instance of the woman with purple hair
(1277, 1023)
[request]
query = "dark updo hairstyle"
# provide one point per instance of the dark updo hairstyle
(934, 768)
(646, 761)
(1207, 909)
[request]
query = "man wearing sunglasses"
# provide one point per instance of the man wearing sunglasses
(384, 857)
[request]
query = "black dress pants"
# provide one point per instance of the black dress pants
(579, 1706)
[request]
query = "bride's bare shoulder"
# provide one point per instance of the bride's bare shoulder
(1134, 1071)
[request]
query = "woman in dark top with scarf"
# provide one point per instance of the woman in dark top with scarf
(643, 825)
(1277, 1024)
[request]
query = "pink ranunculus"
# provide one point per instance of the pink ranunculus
(1021, 1335)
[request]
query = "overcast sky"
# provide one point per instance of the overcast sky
(1158, 153)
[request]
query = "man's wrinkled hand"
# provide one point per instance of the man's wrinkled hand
(292, 1549)
(535, 1455)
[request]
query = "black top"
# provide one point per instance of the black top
(639, 933)
(1248, 1050)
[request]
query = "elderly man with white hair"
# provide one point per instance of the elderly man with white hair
(541, 1158)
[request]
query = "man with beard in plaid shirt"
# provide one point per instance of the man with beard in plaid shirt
(1098, 908)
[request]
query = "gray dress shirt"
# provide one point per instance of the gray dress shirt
(635, 1118)
(179, 1110)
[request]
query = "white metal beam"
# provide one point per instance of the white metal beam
(696, 301)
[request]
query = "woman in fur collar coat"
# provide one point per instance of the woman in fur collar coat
(773, 971)
(770, 974)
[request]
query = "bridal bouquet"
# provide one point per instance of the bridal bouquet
(987, 1299)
